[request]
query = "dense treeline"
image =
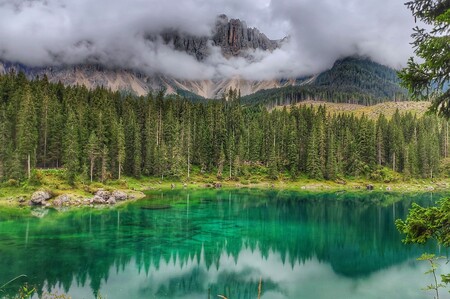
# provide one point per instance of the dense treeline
(101, 135)
(351, 80)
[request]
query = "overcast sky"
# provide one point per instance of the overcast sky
(52, 32)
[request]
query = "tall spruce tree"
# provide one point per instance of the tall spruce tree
(27, 133)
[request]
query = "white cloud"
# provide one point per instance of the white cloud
(112, 32)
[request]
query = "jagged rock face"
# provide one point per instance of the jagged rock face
(232, 36)
(195, 46)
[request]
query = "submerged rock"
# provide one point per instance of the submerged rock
(156, 207)
(39, 212)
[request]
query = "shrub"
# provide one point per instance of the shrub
(12, 183)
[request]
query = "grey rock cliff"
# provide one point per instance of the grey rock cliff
(232, 36)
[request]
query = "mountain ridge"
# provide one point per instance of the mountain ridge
(349, 79)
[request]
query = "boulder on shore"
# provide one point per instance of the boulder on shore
(119, 195)
(103, 194)
(39, 197)
(61, 200)
(98, 200)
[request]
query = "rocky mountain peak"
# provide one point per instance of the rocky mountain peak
(231, 35)
(234, 37)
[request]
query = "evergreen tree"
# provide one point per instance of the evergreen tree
(313, 164)
(331, 163)
(27, 133)
(93, 152)
(120, 148)
(71, 148)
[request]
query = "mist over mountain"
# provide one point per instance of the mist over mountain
(131, 35)
(231, 41)
(205, 57)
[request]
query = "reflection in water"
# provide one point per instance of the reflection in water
(303, 246)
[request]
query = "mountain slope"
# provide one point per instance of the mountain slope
(351, 80)
(362, 76)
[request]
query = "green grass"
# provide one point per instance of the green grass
(388, 109)
(53, 180)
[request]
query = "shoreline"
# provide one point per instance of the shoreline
(96, 194)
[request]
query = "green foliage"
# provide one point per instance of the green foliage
(430, 77)
(433, 260)
(12, 183)
(102, 135)
(424, 224)
(26, 292)
(385, 175)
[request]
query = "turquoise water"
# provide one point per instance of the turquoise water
(195, 244)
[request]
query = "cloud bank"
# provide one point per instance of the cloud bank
(113, 33)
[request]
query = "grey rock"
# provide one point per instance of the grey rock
(369, 187)
(232, 36)
(111, 200)
(103, 194)
(235, 39)
(61, 200)
(119, 195)
(98, 200)
(39, 197)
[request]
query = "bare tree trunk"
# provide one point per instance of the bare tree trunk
(393, 162)
(29, 166)
(45, 135)
(92, 169)
(120, 168)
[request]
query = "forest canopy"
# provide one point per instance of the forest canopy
(102, 135)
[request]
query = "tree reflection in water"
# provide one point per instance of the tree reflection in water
(308, 245)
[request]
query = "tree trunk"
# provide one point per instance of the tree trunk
(188, 164)
(92, 169)
(29, 166)
(393, 162)
(120, 168)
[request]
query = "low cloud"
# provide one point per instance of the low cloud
(113, 33)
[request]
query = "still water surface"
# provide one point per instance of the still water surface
(195, 244)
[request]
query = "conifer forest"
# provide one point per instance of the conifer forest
(100, 135)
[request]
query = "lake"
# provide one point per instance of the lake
(201, 244)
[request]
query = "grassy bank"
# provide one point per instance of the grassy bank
(19, 193)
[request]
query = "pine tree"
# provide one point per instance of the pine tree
(27, 133)
(120, 148)
(331, 163)
(71, 148)
(313, 162)
(93, 152)
(137, 152)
